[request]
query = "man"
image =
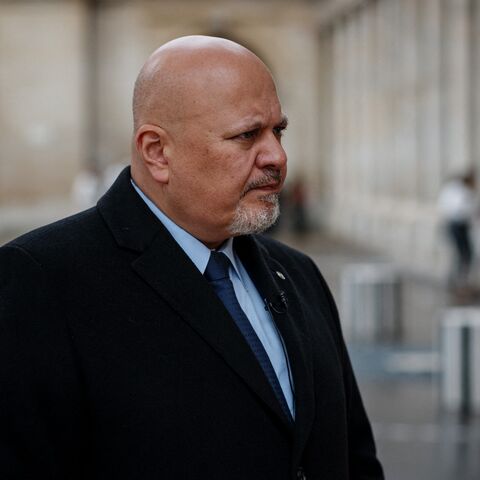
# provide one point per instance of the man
(153, 336)
(458, 207)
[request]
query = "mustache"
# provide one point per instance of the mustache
(271, 175)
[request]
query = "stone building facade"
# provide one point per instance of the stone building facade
(381, 96)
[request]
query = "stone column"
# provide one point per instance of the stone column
(350, 117)
(327, 118)
(362, 111)
(405, 166)
(370, 80)
(382, 100)
(455, 86)
(475, 83)
(429, 97)
(360, 159)
(389, 74)
(376, 107)
(339, 109)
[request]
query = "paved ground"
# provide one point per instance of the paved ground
(416, 438)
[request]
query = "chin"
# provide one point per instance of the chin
(256, 218)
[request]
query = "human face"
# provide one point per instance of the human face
(227, 165)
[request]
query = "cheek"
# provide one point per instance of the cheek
(218, 171)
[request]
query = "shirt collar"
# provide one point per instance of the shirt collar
(198, 253)
(227, 249)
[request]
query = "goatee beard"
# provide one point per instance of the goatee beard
(255, 220)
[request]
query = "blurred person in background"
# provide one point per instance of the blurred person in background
(156, 335)
(298, 200)
(458, 207)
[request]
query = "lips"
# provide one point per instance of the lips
(268, 186)
(265, 185)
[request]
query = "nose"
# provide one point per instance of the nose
(271, 153)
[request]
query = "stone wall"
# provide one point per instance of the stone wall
(67, 70)
(42, 98)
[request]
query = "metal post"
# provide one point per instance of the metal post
(460, 345)
(371, 303)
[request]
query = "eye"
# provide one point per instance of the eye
(278, 131)
(250, 135)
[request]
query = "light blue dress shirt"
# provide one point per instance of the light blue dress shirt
(247, 294)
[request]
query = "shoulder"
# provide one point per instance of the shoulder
(57, 239)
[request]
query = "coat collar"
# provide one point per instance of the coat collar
(135, 227)
(127, 216)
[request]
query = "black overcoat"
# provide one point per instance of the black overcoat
(118, 361)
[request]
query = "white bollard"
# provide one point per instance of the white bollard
(460, 346)
(370, 303)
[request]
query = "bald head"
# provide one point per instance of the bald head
(207, 141)
(185, 72)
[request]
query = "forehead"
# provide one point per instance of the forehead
(236, 98)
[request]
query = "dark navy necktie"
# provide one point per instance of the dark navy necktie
(217, 275)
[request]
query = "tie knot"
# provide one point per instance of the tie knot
(217, 267)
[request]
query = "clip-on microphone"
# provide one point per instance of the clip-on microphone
(280, 306)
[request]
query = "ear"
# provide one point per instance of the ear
(151, 142)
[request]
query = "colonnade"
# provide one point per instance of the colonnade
(405, 117)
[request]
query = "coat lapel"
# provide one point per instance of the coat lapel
(167, 269)
(275, 285)
(187, 291)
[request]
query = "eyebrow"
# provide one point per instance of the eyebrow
(283, 122)
(257, 124)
